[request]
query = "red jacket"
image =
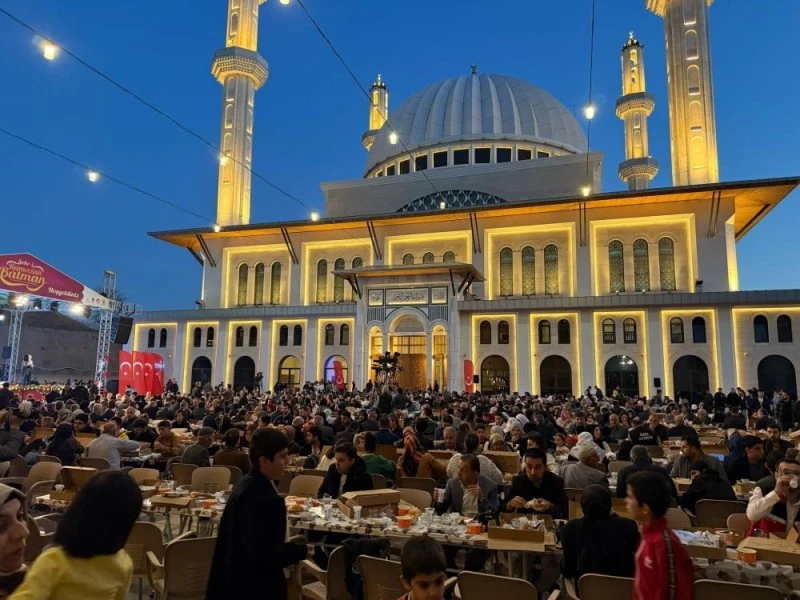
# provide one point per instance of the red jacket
(664, 570)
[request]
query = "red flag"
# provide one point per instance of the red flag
(469, 371)
(125, 370)
(148, 360)
(158, 374)
(138, 372)
(339, 375)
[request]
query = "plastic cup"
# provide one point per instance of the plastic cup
(402, 511)
(747, 555)
(404, 522)
(474, 528)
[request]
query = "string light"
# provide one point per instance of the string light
(442, 204)
(285, 2)
(93, 176)
(586, 190)
(314, 216)
(49, 50)
(224, 159)
(217, 228)
(589, 111)
(393, 138)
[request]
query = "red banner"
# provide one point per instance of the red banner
(148, 364)
(339, 375)
(125, 370)
(158, 375)
(26, 274)
(469, 371)
(138, 372)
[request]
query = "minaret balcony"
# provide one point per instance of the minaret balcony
(636, 167)
(638, 101)
(239, 61)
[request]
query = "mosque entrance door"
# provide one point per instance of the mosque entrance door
(412, 360)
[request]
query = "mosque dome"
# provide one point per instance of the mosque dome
(457, 112)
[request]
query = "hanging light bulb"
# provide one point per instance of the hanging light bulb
(589, 110)
(393, 138)
(49, 50)
(586, 190)
(314, 216)
(93, 176)
(217, 228)
(223, 159)
(285, 2)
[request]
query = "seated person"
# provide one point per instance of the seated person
(751, 464)
(197, 453)
(641, 460)
(734, 420)
(680, 428)
(580, 475)
(774, 505)
(774, 441)
(377, 464)
(110, 446)
(600, 542)
(472, 446)
(81, 423)
(534, 439)
(423, 568)
(347, 474)
(692, 452)
(651, 434)
(230, 455)
(142, 433)
(706, 485)
(167, 444)
(537, 490)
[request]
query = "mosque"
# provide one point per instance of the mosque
(479, 245)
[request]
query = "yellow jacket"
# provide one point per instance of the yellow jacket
(57, 575)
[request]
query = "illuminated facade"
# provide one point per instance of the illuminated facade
(471, 241)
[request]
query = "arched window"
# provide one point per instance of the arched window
(330, 334)
(241, 292)
(551, 269)
(344, 334)
(616, 267)
(609, 331)
(564, 332)
(486, 332)
(503, 332)
(408, 259)
(210, 337)
(698, 330)
(506, 272)
(196, 337)
(761, 329)
(338, 282)
(252, 337)
(151, 338)
(258, 295)
(784, 328)
(428, 258)
(275, 284)
(528, 271)
(357, 263)
(666, 264)
(239, 336)
(544, 332)
(629, 331)
(162, 338)
(283, 336)
(449, 257)
(322, 281)
(298, 335)
(676, 330)
(641, 266)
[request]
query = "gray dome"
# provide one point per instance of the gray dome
(478, 107)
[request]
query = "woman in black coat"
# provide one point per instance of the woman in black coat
(64, 446)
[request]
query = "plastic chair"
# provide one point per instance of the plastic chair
(41, 531)
(51, 459)
(285, 482)
(478, 586)
(378, 481)
(381, 578)
(101, 464)
(305, 485)
(209, 480)
(39, 481)
(739, 523)
(387, 451)
(715, 513)
(17, 467)
(141, 475)
(655, 451)
(330, 584)
(182, 473)
(236, 473)
(419, 498)
(427, 484)
(605, 587)
(708, 589)
(183, 572)
(677, 519)
(143, 538)
(615, 466)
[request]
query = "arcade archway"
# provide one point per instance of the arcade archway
(555, 376)
(622, 373)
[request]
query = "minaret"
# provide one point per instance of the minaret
(241, 71)
(378, 111)
(633, 108)
(693, 130)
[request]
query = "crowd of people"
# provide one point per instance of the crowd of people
(560, 441)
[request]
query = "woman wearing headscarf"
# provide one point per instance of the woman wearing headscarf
(600, 542)
(416, 462)
(585, 439)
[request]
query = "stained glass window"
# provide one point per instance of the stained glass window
(408, 259)
(616, 267)
(528, 271)
(258, 296)
(544, 332)
(676, 330)
(506, 272)
(449, 257)
(641, 266)
(241, 295)
(666, 264)
(428, 258)
(338, 282)
(551, 269)
(275, 284)
(629, 331)
(322, 281)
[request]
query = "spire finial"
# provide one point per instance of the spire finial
(379, 75)
(630, 37)
(474, 69)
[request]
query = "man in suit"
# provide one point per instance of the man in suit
(472, 495)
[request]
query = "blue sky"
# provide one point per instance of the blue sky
(310, 116)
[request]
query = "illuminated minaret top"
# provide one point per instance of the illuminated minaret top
(241, 71)
(378, 111)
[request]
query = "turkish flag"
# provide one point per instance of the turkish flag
(339, 375)
(469, 371)
(158, 375)
(148, 362)
(125, 370)
(138, 372)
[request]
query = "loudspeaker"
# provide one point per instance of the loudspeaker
(124, 330)
(657, 382)
(6, 352)
(476, 379)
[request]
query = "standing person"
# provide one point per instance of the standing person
(664, 570)
(84, 566)
(252, 550)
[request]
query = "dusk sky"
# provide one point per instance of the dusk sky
(309, 117)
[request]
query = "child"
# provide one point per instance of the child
(423, 569)
(88, 561)
(663, 567)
